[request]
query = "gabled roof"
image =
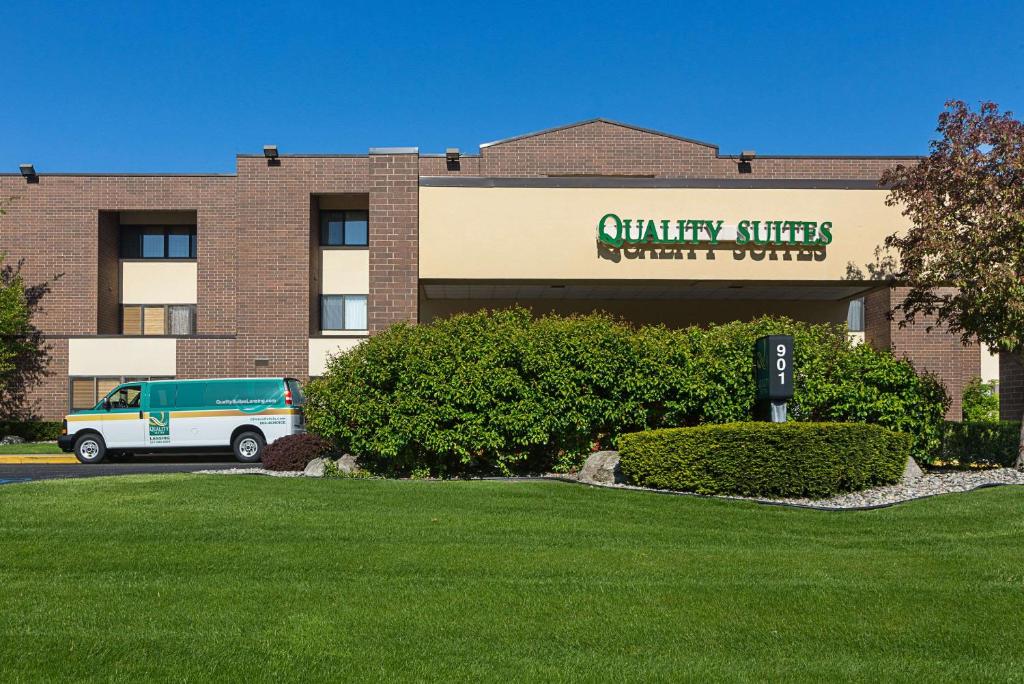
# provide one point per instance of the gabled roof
(599, 120)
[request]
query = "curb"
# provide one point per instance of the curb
(36, 458)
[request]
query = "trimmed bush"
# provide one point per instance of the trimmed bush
(31, 430)
(987, 444)
(504, 392)
(765, 459)
(294, 452)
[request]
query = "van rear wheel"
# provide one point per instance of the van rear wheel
(90, 448)
(248, 447)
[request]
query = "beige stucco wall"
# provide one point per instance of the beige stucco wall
(345, 271)
(158, 282)
(989, 364)
(672, 313)
(126, 356)
(551, 233)
(320, 350)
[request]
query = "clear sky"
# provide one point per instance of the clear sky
(143, 86)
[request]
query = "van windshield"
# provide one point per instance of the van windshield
(298, 398)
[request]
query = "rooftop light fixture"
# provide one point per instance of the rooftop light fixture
(29, 172)
(270, 151)
(747, 155)
(452, 154)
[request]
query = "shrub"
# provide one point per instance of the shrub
(504, 392)
(294, 452)
(31, 430)
(981, 401)
(765, 459)
(992, 443)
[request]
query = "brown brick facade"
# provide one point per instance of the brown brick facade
(1011, 387)
(394, 239)
(937, 351)
(257, 261)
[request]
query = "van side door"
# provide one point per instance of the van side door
(124, 425)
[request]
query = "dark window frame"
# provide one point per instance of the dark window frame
(344, 309)
(141, 230)
(326, 216)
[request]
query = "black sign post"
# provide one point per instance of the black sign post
(773, 372)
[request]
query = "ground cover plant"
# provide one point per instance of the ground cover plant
(504, 392)
(766, 459)
(215, 578)
(294, 452)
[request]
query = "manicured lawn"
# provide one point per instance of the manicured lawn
(30, 448)
(231, 579)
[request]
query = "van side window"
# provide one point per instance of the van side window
(161, 396)
(190, 394)
(128, 397)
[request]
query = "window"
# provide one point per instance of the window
(87, 392)
(855, 315)
(158, 319)
(347, 228)
(127, 397)
(156, 242)
(161, 396)
(343, 312)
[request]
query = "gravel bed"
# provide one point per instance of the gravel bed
(251, 471)
(927, 485)
(924, 486)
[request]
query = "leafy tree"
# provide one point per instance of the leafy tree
(963, 257)
(23, 354)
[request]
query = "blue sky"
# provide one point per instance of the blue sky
(183, 86)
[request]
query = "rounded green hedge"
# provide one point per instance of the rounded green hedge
(765, 459)
(507, 392)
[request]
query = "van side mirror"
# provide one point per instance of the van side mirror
(106, 403)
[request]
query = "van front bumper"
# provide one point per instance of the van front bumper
(66, 443)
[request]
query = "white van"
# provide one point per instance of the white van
(243, 414)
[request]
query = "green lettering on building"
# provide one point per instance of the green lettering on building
(618, 232)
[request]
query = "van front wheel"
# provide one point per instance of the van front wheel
(90, 448)
(248, 447)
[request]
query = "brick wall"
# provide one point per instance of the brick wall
(394, 239)
(1011, 387)
(605, 148)
(937, 351)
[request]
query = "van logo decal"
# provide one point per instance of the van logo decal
(160, 426)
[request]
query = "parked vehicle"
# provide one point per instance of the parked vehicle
(243, 414)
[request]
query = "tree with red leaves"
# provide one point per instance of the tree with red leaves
(966, 204)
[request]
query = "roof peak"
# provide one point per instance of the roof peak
(599, 120)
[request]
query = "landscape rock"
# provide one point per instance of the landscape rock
(347, 464)
(602, 467)
(912, 472)
(314, 468)
(12, 439)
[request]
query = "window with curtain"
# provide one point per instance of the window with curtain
(343, 312)
(158, 319)
(855, 315)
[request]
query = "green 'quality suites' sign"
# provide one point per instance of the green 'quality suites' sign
(616, 232)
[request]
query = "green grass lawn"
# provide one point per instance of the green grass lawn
(203, 578)
(30, 448)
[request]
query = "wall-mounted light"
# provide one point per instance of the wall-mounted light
(746, 156)
(451, 156)
(29, 172)
(270, 151)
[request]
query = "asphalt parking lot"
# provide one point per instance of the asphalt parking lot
(25, 472)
